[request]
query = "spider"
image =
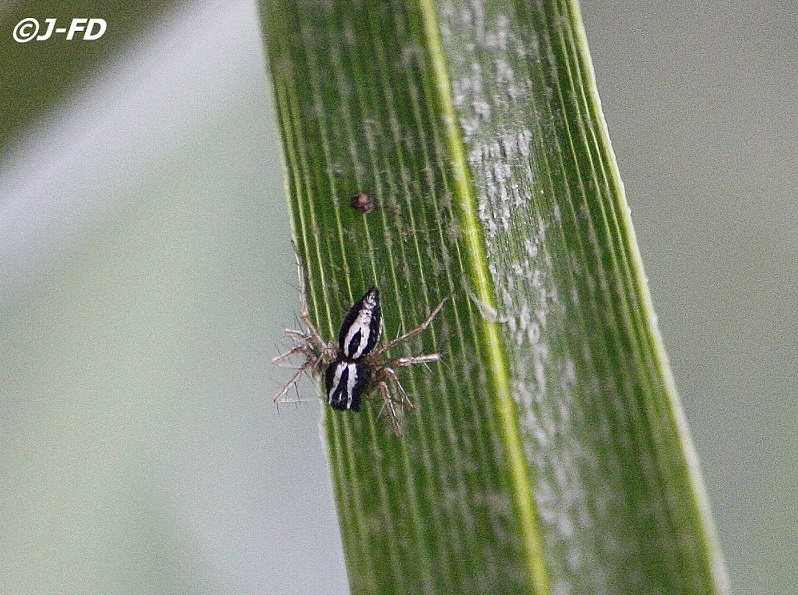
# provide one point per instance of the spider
(356, 366)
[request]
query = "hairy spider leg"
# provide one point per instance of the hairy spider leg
(298, 336)
(315, 337)
(404, 399)
(295, 378)
(416, 359)
(388, 401)
(284, 356)
(311, 344)
(412, 333)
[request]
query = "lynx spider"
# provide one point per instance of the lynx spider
(353, 370)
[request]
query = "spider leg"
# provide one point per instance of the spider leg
(412, 333)
(304, 316)
(283, 356)
(315, 335)
(296, 335)
(386, 397)
(407, 404)
(294, 379)
(310, 340)
(416, 359)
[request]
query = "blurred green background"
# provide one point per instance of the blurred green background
(146, 274)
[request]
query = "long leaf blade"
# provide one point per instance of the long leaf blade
(565, 410)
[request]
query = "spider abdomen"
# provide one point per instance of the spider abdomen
(345, 382)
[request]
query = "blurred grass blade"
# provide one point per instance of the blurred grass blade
(547, 451)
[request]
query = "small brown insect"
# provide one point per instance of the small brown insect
(363, 202)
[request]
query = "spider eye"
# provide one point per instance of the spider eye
(345, 383)
(360, 329)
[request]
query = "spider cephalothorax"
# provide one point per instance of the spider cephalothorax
(358, 365)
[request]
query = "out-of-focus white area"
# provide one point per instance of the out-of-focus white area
(92, 151)
(145, 277)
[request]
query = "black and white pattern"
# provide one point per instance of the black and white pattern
(345, 382)
(355, 367)
(360, 329)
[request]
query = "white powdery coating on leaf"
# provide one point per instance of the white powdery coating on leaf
(552, 368)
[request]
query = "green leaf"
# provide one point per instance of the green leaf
(547, 451)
